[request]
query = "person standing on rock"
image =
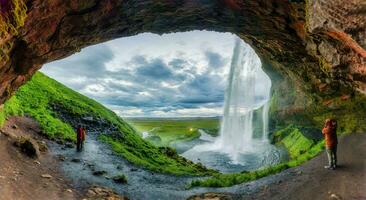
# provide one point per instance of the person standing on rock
(80, 137)
(330, 134)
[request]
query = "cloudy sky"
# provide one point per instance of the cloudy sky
(148, 75)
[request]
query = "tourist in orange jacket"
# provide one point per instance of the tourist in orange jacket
(330, 134)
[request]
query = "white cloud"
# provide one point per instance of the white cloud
(180, 74)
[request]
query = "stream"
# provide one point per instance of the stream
(142, 184)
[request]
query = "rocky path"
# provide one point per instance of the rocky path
(24, 178)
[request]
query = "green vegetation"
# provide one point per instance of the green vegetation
(299, 147)
(293, 140)
(38, 98)
(163, 159)
(10, 22)
(170, 130)
(349, 113)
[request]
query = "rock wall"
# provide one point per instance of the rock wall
(316, 45)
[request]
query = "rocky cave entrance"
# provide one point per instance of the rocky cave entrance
(129, 75)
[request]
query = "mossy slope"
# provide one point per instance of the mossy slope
(37, 98)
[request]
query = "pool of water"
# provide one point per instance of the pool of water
(260, 154)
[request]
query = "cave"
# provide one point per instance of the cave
(313, 50)
(302, 43)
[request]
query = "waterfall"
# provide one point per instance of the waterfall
(248, 90)
(236, 132)
(265, 110)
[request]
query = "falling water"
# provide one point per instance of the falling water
(265, 110)
(248, 91)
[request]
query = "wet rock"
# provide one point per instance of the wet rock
(69, 145)
(133, 169)
(61, 157)
(99, 173)
(76, 160)
(60, 142)
(91, 166)
(119, 167)
(120, 179)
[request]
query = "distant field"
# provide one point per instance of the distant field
(170, 130)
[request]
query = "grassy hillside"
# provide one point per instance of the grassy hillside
(170, 130)
(37, 97)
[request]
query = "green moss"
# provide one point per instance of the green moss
(2, 116)
(293, 140)
(349, 113)
(10, 25)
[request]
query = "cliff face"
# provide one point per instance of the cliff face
(316, 45)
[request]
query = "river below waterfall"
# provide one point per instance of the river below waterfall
(259, 155)
(142, 184)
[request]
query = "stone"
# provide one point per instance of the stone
(97, 192)
(42, 145)
(120, 179)
(28, 146)
(76, 160)
(46, 176)
(335, 197)
(61, 157)
(99, 173)
(211, 196)
(69, 145)
(14, 126)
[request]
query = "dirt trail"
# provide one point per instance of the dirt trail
(21, 176)
(348, 182)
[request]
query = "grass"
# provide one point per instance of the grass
(170, 130)
(293, 140)
(37, 97)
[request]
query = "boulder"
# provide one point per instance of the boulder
(99, 173)
(28, 146)
(42, 146)
(97, 193)
(121, 178)
(211, 196)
